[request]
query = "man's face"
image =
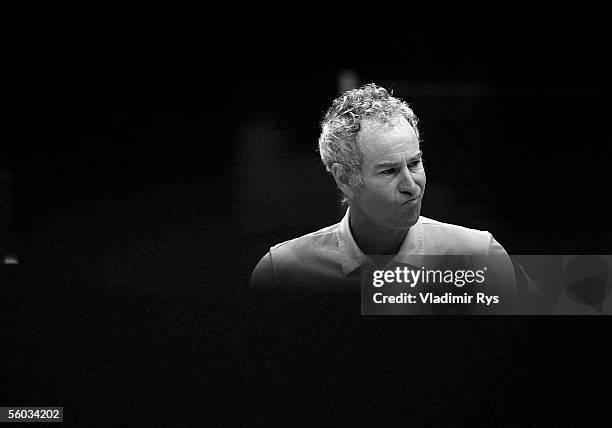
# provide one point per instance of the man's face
(393, 175)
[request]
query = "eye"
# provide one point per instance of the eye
(414, 164)
(388, 171)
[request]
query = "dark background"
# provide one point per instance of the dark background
(150, 174)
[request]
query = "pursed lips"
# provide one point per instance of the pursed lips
(411, 200)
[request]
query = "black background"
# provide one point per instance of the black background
(152, 170)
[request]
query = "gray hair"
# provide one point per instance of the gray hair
(343, 120)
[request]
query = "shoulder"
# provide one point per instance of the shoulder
(446, 238)
(448, 228)
(298, 254)
(476, 247)
(304, 245)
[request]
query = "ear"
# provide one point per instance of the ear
(342, 181)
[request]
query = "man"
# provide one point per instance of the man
(370, 144)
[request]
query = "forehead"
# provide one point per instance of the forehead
(393, 142)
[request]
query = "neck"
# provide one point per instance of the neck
(374, 238)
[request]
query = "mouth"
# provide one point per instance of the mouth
(409, 201)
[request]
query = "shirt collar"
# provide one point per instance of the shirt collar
(353, 257)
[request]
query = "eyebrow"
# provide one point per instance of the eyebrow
(383, 164)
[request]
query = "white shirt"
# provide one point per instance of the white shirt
(329, 259)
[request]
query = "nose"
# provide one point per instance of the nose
(408, 186)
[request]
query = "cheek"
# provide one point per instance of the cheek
(381, 195)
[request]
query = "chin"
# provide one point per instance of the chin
(410, 221)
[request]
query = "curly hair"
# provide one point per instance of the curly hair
(343, 120)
